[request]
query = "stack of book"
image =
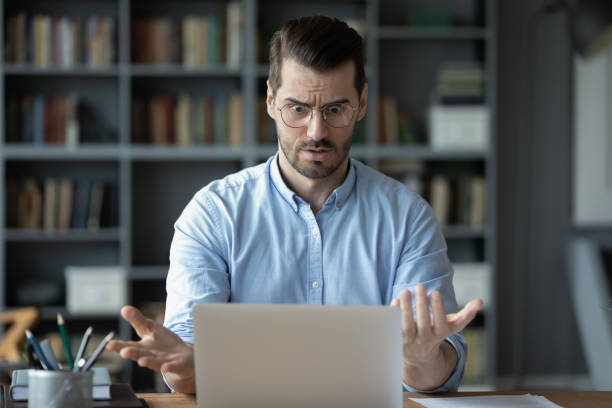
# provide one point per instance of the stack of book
(475, 366)
(266, 133)
(193, 41)
(395, 126)
(188, 120)
(64, 41)
(38, 119)
(458, 117)
(459, 83)
(458, 200)
(58, 204)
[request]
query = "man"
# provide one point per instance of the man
(311, 225)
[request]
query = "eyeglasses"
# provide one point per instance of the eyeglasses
(337, 115)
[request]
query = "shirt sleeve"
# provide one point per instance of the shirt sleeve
(424, 261)
(198, 269)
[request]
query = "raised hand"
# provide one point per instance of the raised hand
(158, 349)
(424, 349)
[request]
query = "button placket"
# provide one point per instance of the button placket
(315, 275)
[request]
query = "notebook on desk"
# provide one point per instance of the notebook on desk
(122, 396)
(297, 356)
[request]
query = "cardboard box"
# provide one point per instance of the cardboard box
(95, 289)
(459, 127)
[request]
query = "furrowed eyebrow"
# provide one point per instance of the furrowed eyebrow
(336, 102)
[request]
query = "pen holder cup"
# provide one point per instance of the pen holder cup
(60, 389)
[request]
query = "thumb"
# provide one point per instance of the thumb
(137, 320)
(459, 320)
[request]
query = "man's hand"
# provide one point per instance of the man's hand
(428, 359)
(158, 349)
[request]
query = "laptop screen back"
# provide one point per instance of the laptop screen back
(297, 356)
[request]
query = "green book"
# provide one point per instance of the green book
(101, 384)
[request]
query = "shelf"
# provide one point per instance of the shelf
(222, 152)
(173, 152)
(140, 173)
(42, 235)
(60, 152)
(50, 313)
(176, 70)
(148, 272)
(431, 33)
(262, 70)
(80, 70)
(463, 232)
(416, 152)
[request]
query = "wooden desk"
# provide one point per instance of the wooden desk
(567, 399)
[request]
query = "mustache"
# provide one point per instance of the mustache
(316, 145)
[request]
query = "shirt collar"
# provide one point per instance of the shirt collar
(338, 197)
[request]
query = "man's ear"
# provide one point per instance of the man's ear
(270, 100)
(363, 102)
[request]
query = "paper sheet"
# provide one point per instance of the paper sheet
(488, 401)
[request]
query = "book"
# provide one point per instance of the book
(475, 366)
(234, 38)
(235, 120)
(66, 193)
(440, 197)
(80, 205)
(122, 396)
(101, 384)
(478, 204)
(50, 203)
(96, 198)
(182, 122)
(29, 207)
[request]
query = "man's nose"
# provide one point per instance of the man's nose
(317, 128)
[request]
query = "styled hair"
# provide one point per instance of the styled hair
(318, 42)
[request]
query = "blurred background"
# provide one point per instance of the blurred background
(115, 112)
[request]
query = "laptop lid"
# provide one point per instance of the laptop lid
(297, 356)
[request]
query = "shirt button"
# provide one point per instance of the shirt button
(315, 231)
(315, 284)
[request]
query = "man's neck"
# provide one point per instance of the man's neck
(314, 191)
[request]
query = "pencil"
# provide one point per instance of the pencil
(81, 352)
(41, 356)
(97, 352)
(65, 340)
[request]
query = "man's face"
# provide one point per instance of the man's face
(316, 149)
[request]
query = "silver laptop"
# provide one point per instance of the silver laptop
(297, 356)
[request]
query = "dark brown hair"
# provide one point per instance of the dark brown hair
(317, 42)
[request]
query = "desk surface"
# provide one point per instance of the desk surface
(567, 399)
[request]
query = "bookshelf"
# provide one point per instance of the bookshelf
(147, 199)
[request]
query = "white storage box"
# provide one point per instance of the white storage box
(472, 280)
(459, 127)
(95, 289)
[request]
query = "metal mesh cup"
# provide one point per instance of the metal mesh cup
(60, 389)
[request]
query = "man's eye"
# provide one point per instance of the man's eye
(334, 109)
(298, 108)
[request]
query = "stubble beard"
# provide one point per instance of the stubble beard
(313, 169)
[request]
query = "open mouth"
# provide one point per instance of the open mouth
(317, 154)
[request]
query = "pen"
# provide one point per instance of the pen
(81, 352)
(97, 352)
(65, 340)
(38, 351)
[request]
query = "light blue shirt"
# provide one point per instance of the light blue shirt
(248, 238)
